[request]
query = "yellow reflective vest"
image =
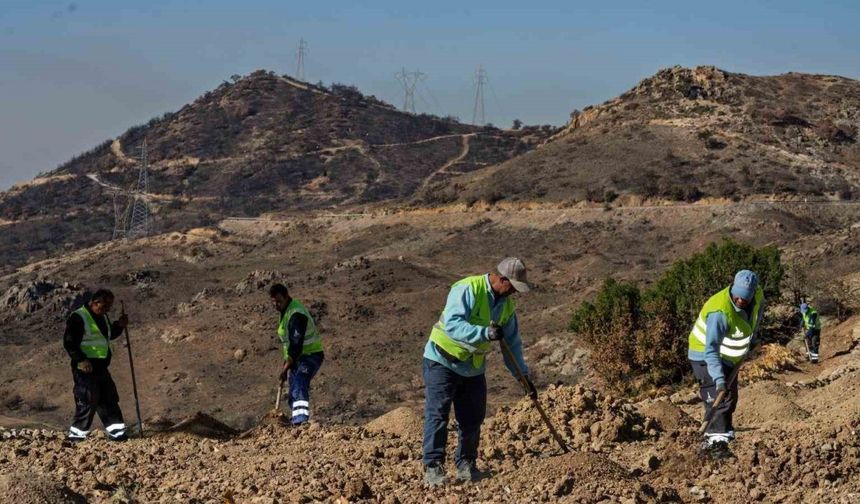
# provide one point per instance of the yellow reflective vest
(94, 344)
(312, 344)
(479, 316)
(736, 343)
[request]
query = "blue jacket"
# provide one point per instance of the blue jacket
(457, 310)
(717, 329)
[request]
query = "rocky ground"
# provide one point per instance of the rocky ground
(798, 441)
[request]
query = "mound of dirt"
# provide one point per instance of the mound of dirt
(584, 417)
(199, 424)
(768, 401)
(670, 416)
(403, 422)
(23, 487)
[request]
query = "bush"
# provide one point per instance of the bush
(638, 339)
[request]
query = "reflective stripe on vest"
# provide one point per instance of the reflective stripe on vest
(94, 344)
(313, 343)
(736, 343)
(480, 316)
(808, 315)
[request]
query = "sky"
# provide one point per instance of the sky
(76, 73)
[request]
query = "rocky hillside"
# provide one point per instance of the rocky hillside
(260, 143)
(685, 134)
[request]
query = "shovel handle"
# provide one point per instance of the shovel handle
(522, 379)
(280, 393)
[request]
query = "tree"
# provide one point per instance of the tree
(517, 124)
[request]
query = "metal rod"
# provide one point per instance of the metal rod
(133, 378)
(521, 378)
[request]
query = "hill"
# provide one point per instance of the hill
(261, 143)
(686, 134)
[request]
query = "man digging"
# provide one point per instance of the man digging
(719, 341)
(478, 311)
(301, 348)
(87, 338)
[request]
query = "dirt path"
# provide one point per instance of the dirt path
(116, 149)
(464, 151)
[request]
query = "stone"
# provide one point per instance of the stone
(239, 354)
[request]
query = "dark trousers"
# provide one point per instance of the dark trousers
(722, 423)
(95, 393)
(300, 386)
(813, 339)
(469, 396)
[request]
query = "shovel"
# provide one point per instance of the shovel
(522, 379)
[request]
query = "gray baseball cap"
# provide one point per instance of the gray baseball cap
(514, 270)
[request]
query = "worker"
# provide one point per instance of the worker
(87, 338)
(478, 311)
(301, 349)
(811, 326)
(720, 339)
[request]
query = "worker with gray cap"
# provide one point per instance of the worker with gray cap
(719, 340)
(478, 311)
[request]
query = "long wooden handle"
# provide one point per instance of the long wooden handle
(522, 379)
(133, 377)
(278, 399)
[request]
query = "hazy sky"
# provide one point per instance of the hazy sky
(73, 74)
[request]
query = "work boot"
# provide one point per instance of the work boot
(434, 475)
(467, 471)
(717, 447)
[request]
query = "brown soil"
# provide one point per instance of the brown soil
(620, 452)
(26, 487)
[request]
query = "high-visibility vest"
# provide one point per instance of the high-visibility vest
(94, 344)
(736, 343)
(313, 343)
(807, 319)
(480, 316)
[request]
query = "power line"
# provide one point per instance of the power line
(432, 96)
(478, 110)
(409, 80)
(300, 59)
(134, 220)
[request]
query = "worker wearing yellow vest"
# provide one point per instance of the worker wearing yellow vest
(301, 348)
(811, 325)
(478, 311)
(719, 340)
(87, 341)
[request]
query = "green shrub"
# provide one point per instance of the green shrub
(638, 339)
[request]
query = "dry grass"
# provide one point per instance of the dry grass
(771, 359)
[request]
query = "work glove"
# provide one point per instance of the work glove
(123, 321)
(531, 390)
(721, 387)
(494, 332)
(85, 367)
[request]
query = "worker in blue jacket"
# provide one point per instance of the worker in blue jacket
(478, 312)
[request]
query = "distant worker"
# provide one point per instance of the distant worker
(720, 339)
(811, 325)
(301, 348)
(478, 311)
(89, 332)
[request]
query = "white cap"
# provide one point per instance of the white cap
(514, 270)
